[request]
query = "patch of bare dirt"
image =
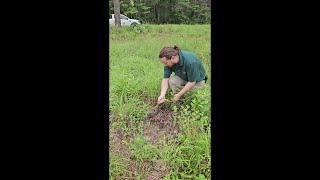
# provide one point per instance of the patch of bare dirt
(157, 124)
(158, 171)
(117, 146)
(132, 171)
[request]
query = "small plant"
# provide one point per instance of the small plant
(143, 153)
(141, 150)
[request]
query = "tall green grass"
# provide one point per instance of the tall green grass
(135, 78)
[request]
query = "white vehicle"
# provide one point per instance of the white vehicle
(125, 21)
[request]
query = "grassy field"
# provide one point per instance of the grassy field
(176, 142)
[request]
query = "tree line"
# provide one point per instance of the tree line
(165, 11)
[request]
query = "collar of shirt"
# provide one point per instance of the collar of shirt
(181, 60)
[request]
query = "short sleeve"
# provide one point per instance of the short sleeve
(167, 72)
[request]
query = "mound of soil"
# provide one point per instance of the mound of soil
(157, 124)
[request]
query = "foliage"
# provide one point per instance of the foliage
(141, 150)
(191, 156)
(166, 11)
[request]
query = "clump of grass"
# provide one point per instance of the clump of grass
(141, 150)
(117, 165)
(189, 154)
(143, 153)
(134, 86)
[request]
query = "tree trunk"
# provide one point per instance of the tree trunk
(117, 13)
(155, 14)
(158, 15)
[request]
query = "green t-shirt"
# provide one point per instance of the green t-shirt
(189, 67)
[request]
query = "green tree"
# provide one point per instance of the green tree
(167, 11)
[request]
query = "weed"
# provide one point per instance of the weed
(117, 165)
(141, 150)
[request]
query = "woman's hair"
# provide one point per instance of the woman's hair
(169, 51)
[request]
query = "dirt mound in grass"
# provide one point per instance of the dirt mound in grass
(158, 124)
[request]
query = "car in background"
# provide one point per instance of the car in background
(125, 21)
